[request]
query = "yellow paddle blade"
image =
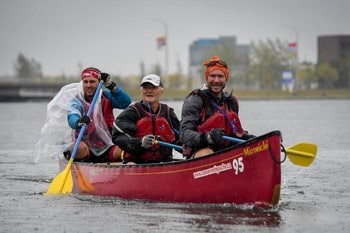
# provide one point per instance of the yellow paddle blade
(63, 182)
(302, 154)
(83, 183)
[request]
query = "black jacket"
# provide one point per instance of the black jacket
(125, 128)
(192, 107)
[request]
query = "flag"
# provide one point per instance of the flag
(161, 41)
(293, 49)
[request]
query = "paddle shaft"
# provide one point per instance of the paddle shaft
(165, 144)
(231, 139)
(176, 147)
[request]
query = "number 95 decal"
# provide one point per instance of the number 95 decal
(238, 165)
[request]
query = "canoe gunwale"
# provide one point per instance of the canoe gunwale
(180, 161)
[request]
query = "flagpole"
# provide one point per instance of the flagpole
(296, 34)
(166, 48)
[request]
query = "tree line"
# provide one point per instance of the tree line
(267, 60)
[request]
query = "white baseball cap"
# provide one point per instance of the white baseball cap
(152, 79)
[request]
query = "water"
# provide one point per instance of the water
(313, 199)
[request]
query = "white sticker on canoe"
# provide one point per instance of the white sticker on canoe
(237, 164)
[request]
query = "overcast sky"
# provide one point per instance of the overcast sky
(116, 36)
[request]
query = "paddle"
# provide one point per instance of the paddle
(302, 154)
(63, 182)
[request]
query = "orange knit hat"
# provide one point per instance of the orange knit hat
(215, 63)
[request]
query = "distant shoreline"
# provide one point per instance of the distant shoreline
(179, 95)
(43, 91)
(173, 94)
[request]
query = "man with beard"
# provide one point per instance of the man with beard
(209, 113)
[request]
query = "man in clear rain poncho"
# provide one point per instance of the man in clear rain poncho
(66, 113)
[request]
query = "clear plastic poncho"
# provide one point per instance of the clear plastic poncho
(57, 136)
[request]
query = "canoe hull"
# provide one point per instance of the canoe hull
(245, 174)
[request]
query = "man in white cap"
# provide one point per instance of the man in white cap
(137, 127)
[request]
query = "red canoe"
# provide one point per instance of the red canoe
(249, 173)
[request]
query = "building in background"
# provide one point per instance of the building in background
(335, 50)
(332, 48)
(202, 49)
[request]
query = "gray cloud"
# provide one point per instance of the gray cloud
(117, 35)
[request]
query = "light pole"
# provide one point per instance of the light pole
(166, 52)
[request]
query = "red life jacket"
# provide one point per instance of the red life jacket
(108, 112)
(219, 121)
(91, 136)
(158, 125)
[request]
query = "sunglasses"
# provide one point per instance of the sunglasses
(217, 63)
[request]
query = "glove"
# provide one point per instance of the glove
(107, 82)
(247, 136)
(106, 79)
(148, 141)
(214, 137)
(84, 120)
